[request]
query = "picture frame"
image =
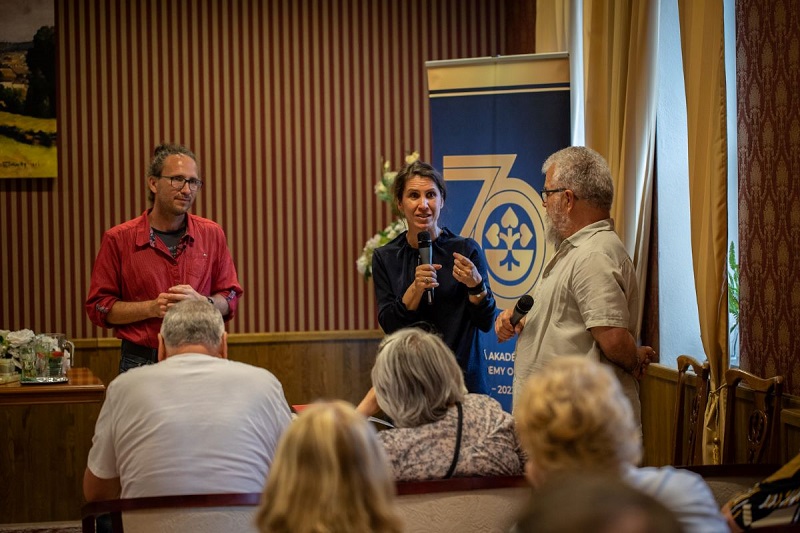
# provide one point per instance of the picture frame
(28, 89)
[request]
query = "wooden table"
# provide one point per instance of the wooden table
(46, 432)
(83, 387)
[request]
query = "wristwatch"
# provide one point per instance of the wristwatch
(477, 290)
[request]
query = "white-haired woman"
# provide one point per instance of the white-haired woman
(440, 430)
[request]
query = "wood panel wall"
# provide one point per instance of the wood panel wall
(790, 433)
(290, 107)
(658, 396)
(310, 366)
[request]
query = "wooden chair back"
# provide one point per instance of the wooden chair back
(689, 450)
(226, 512)
(763, 420)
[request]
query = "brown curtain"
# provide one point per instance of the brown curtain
(552, 25)
(702, 44)
(620, 59)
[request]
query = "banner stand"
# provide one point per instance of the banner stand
(494, 121)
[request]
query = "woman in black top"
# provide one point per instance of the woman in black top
(462, 301)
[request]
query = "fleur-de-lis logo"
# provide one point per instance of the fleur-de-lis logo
(506, 220)
(509, 231)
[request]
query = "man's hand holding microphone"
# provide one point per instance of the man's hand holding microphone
(510, 322)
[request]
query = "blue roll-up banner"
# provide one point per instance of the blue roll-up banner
(494, 121)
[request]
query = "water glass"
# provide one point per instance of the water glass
(27, 358)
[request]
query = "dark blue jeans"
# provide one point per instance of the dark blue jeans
(134, 356)
(128, 361)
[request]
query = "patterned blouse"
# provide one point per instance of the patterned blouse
(489, 445)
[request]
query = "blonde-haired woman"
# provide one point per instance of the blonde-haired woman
(329, 475)
(441, 431)
(573, 417)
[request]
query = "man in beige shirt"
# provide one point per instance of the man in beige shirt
(586, 299)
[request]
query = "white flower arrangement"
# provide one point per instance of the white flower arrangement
(13, 340)
(383, 190)
(364, 261)
(13, 344)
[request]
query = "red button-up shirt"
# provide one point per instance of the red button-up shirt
(134, 265)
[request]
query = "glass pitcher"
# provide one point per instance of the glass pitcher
(54, 354)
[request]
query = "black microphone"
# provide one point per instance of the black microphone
(425, 256)
(524, 305)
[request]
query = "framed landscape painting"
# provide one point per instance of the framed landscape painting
(28, 127)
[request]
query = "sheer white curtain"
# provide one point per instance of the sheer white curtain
(556, 23)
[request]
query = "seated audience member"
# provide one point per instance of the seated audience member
(573, 416)
(329, 474)
(440, 430)
(594, 501)
(774, 501)
(195, 423)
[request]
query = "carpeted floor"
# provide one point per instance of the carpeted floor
(47, 527)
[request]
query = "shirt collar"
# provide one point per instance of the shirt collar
(143, 233)
(585, 233)
(143, 230)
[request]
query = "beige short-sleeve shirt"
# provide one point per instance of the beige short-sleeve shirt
(589, 282)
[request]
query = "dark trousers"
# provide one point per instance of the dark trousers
(134, 355)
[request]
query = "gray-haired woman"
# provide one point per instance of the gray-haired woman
(440, 430)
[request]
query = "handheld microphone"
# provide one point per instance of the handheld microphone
(524, 305)
(425, 256)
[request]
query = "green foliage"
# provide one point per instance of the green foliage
(40, 100)
(12, 100)
(733, 287)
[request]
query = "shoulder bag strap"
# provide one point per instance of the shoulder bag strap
(452, 469)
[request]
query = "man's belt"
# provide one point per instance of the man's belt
(151, 354)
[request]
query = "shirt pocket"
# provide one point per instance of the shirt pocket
(198, 264)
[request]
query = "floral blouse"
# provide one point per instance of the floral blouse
(489, 445)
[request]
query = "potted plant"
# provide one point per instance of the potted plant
(733, 301)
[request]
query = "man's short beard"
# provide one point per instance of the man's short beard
(551, 231)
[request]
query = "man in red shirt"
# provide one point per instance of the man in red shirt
(146, 265)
